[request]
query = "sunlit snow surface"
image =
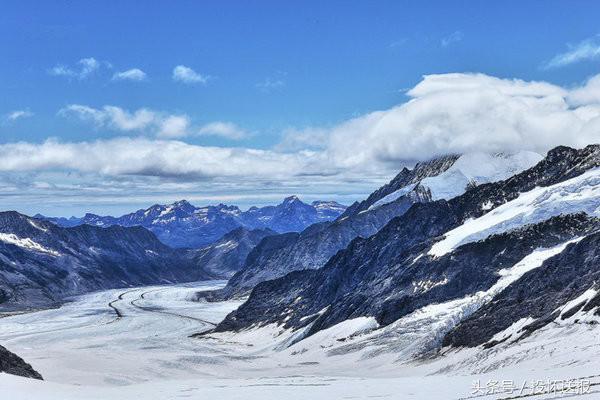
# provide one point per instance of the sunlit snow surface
(85, 352)
(579, 194)
(478, 168)
(475, 168)
(25, 243)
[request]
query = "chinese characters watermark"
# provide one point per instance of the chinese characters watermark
(531, 387)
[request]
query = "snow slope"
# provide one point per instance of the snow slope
(579, 194)
(478, 168)
(471, 168)
(26, 243)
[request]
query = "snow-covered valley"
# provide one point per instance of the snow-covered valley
(131, 342)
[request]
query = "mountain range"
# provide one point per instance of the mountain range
(442, 177)
(462, 251)
(42, 263)
(488, 267)
(182, 224)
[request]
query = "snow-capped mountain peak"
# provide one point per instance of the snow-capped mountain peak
(467, 170)
(292, 199)
(181, 224)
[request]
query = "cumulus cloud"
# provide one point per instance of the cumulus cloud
(297, 139)
(18, 114)
(586, 50)
(226, 130)
(82, 70)
(458, 113)
(184, 74)
(134, 74)
(113, 117)
(450, 113)
(174, 126)
(589, 93)
(144, 120)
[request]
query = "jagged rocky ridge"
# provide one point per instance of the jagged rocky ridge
(312, 248)
(12, 364)
(404, 178)
(42, 263)
(394, 273)
(182, 224)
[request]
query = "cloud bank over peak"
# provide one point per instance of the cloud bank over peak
(459, 113)
(447, 113)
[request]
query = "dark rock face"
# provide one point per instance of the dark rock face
(395, 283)
(226, 256)
(538, 294)
(313, 247)
(380, 276)
(12, 364)
(41, 263)
(183, 225)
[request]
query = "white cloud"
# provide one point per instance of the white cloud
(149, 157)
(174, 126)
(134, 74)
(127, 121)
(18, 114)
(144, 120)
(450, 113)
(586, 94)
(586, 50)
(114, 117)
(184, 74)
(308, 138)
(226, 130)
(458, 113)
(83, 69)
(452, 38)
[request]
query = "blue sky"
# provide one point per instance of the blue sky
(271, 76)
